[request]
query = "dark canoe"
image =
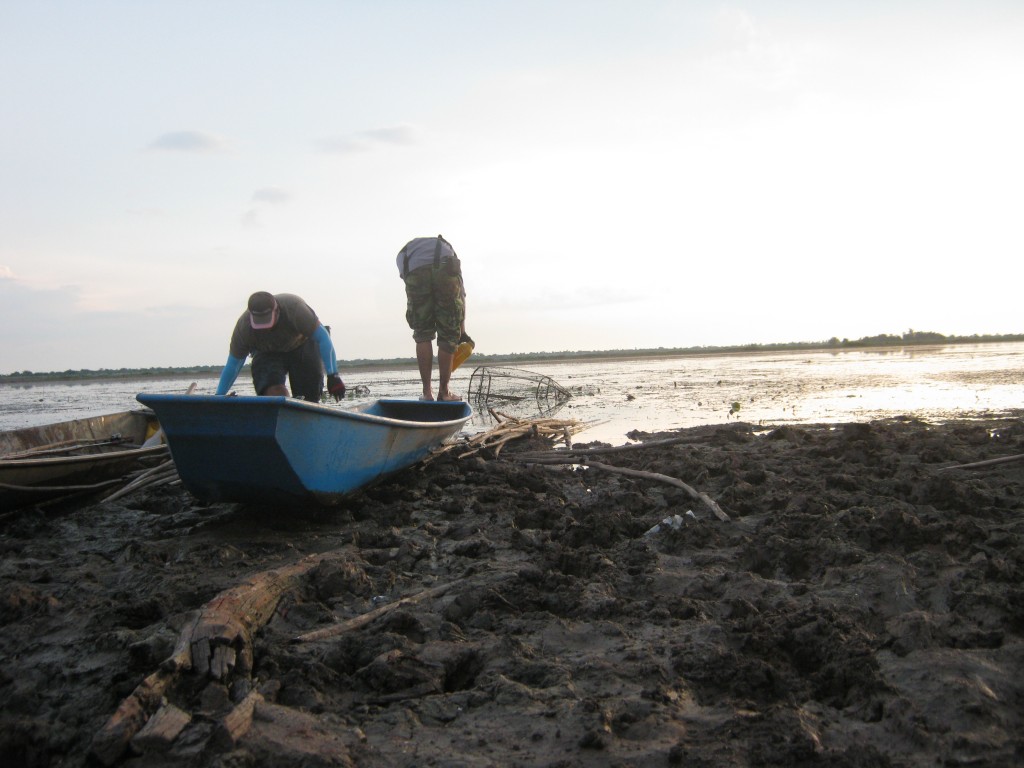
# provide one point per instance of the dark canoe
(74, 457)
(276, 449)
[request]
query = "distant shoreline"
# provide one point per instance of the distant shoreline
(912, 339)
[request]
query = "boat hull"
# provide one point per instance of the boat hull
(275, 449)
(73, 457)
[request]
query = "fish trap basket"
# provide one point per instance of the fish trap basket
(515, 391)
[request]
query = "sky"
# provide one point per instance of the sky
(613, 175)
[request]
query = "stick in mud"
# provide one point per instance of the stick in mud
(987, 463)
(694, 493)
(158, 475)
(711, 503)
(361, 621)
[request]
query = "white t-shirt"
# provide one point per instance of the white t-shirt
(421, 252)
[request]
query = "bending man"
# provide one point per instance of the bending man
(285, 338)
(435, 305)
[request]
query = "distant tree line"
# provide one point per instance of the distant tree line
(113, 373)
(910, 338)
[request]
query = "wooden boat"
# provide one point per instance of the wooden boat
(277, 449)
(74, 457)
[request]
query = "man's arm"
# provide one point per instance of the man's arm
(334, 383)
(327, 354)
(229, 374)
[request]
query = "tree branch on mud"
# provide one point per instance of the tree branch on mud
(693, 492)
(987, 463)
(364, 619)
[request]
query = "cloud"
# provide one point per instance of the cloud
(6, 273)
(272, 195)
(253, 217)
(365, 141)
(188, 141)
(401, 134)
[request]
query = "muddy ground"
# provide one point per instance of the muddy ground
(863, 606)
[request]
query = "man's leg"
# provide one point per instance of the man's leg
(425, 362)
(306, 372)
(268, 374)
(449, 316)
(444, 367)
(419, 314)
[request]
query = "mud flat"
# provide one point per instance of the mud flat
(861, 605)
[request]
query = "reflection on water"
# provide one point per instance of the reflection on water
(617, 396)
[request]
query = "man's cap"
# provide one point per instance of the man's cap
(262, 310)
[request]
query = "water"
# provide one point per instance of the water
(615, 397)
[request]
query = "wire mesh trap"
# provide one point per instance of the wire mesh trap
(515, 391)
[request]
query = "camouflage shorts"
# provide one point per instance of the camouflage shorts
(435, 304)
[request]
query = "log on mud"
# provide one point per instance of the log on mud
(216, 642)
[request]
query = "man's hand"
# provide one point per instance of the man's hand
(336, 386)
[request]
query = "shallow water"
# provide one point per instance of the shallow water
(932, 383)
(615, 397)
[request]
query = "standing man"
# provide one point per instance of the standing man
(285, 338)
(435, 305)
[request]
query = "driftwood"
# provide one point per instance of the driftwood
(161, 474)
(986, 463)
(694, 493)
(220, 636)
(237, 722)
(131, 715)
(161, 730)
(360, 621)
(561, 459)
(511, 428)
(215, 642)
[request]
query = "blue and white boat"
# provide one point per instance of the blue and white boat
(276, 449)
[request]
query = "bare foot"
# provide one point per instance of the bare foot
(449, 395)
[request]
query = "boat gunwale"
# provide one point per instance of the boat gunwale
(340, 413)
(119, 432)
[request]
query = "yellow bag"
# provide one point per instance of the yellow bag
(463, 351)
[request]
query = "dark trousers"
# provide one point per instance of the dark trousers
(302, 366)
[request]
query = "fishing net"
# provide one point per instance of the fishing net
(515, 392)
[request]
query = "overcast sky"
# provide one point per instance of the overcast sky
(612, 174)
